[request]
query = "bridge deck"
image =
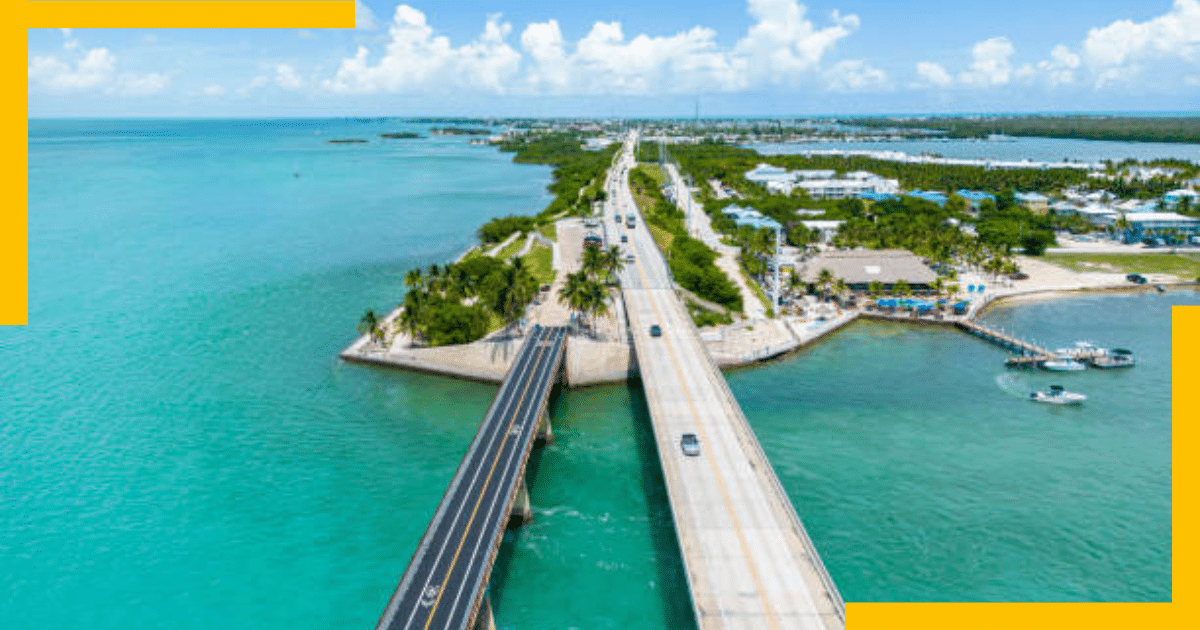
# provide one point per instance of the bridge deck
(444, 583)
(748, 559)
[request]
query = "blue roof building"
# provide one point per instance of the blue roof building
(929, 195)
(974, 197)
(751, 217)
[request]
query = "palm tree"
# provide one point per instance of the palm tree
(901, 288)
(824, 278)
(939, 286)
(369, 325)
(593, 261)
(875, 288)
(839, 289)
(613, 262)
(410, 317)
(413, 278)
(572, 290)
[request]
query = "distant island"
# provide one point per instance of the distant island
(400, 135)
(1115, 128)
(460, 131)
(348, 141)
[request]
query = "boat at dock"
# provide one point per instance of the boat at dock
(1063, 363)
(1116, 358)
(1056, 395)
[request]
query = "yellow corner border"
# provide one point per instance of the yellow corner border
(22, 16)
(340, 14)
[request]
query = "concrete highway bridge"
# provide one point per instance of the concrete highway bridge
(749, 561)
(445, 584)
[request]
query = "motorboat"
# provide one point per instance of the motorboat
(1056, 395)
(1115, 358)
(1063, 363)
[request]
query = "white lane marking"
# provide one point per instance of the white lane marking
(500, 499)
(454, 522)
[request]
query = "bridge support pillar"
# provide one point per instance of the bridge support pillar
(484, 619)
(545, 434)
(522, 512)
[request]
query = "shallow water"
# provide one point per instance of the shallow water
(181, 447)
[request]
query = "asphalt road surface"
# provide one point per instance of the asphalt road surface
(445, 579)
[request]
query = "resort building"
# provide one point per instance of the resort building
(875, 196)
(974, 199)
(819, 184)
(751, 217)
(859, 268)
(825, 229)
(932, 196)
(1036, 203)
(1095, 214)
(1164, 225)
(1175, 197)
(763, 174)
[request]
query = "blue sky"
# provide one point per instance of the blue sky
(633, 58)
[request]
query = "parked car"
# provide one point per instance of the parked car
(624, 238)
(655, 331)
(690, 444)
(1136, 278)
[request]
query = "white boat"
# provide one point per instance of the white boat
(1056, 395)
(1116, 358)
(1063, 363)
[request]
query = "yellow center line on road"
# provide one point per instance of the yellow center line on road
(755, 574)
(487, 481)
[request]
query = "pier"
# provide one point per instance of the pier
(1030, 352)
(445, 584)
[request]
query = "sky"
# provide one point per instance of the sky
(627, 58)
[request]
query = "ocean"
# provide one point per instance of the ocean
(182, 448)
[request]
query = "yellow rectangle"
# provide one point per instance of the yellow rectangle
(190, 14)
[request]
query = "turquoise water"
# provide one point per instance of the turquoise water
(182, 449)
(1037, 149)
(923, 473)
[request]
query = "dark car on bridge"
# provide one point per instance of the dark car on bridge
(690, 444)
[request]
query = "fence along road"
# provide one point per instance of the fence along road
(444, 584)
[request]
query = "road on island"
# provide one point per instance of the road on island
(748, 560)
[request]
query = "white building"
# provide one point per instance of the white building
(844, 188)
(1143, 225)
(826, 229)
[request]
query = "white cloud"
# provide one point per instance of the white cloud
(933, 74)
(854, 76)
(92, 69)
(1173, 34)
(990, 63)
(364, 17)
(286, 77)
(783, 47)
(214, 90)
(416, 59)
(1061, 66)
(131, 84)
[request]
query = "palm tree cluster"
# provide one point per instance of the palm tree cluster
(587, 290)
(455, 303)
